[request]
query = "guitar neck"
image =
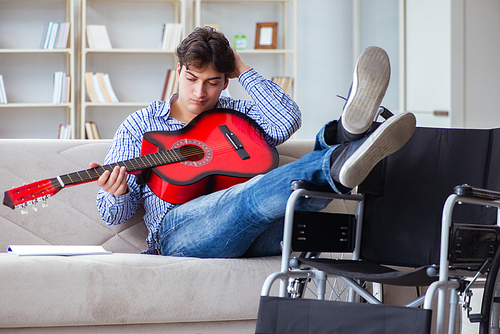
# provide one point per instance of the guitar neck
(132, 165)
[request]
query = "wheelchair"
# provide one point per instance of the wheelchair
(426, 217)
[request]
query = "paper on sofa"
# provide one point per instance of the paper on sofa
(63, 250)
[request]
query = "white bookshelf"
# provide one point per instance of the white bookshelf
(281, 61)
(28, 70)
(135, 61)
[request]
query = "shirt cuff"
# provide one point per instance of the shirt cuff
(116, 200)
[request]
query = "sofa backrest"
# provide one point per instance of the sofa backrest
(71, 217)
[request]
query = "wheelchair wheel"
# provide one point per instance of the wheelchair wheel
(490, 308)
(336, 288)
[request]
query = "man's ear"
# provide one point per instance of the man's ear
(178, 71)
(227, 82)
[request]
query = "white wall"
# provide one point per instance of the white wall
(481, 25)
(324, 55)
(324, 52)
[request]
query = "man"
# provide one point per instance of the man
(247, 219)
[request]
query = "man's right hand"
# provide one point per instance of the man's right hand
(114, 182)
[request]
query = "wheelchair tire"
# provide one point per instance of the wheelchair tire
(336, 288)
(491, 299)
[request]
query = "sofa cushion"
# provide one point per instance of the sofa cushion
(108, 289)
(128, 288)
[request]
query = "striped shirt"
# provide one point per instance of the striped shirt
(277, 114)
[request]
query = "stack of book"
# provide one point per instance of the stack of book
(97, 37)
(3, 96)
(55, 35)
(172, 36)
(62, 88)
(99, 89)
(64, 131)
(91, 130)
(171, 85)
(284, 82)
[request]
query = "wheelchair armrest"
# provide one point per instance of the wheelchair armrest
(301, 184)
(469, 191)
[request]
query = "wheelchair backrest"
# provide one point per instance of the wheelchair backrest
(405, 194)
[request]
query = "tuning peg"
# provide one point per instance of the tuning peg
(45, 204)
(35, 208)
(24, 209)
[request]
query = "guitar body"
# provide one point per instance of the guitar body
(229, 148)
(216, 150)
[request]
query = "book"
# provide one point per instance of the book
(64, 131)
(89, 86)
(88, 131)
(99, 89)
(284, 82)
(62, 87)
(170, 86)
(109, 88)
(172, 36)
(67, 87)
(3, 95)
(91, 130)
(97, 37)
(62, 35)
(60, 250)
(165, 86)
(55, 35)
(102, 87)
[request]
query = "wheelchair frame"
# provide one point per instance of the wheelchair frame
(449, 280)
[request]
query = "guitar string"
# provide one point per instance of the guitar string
(219, 147)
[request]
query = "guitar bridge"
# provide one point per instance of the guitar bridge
(235, 142)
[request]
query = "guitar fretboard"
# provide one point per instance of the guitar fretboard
(132, 165)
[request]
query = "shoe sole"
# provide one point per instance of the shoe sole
(387, 139)
(370, 81)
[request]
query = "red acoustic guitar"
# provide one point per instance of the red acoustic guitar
(217, 149)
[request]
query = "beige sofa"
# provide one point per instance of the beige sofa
(125, 292)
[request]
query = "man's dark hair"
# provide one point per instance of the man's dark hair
(206, 46)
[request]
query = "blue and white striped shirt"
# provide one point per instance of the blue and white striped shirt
(277, 114)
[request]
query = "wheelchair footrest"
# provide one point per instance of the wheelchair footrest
(323, 232)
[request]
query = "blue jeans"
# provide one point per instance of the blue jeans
(246, 219)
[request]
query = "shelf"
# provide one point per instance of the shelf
(266, 51)
(119, 104)
(34, 105)
(28, 69)
(133, 63)
(244, 0)
(69, 51)
(287, 31)
(118, 50)
(172, 1)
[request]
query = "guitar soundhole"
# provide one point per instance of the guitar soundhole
(196, 152)
(192, 152)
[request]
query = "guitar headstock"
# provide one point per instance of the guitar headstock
(31, 194)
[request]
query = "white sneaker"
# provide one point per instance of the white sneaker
(359, 157)
(370, 81)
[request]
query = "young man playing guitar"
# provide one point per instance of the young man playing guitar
(247, 218)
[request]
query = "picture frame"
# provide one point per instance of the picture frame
(266, 35)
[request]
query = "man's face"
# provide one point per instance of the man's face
(199, 89)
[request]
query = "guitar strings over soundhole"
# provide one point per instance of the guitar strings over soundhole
(192, 152)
